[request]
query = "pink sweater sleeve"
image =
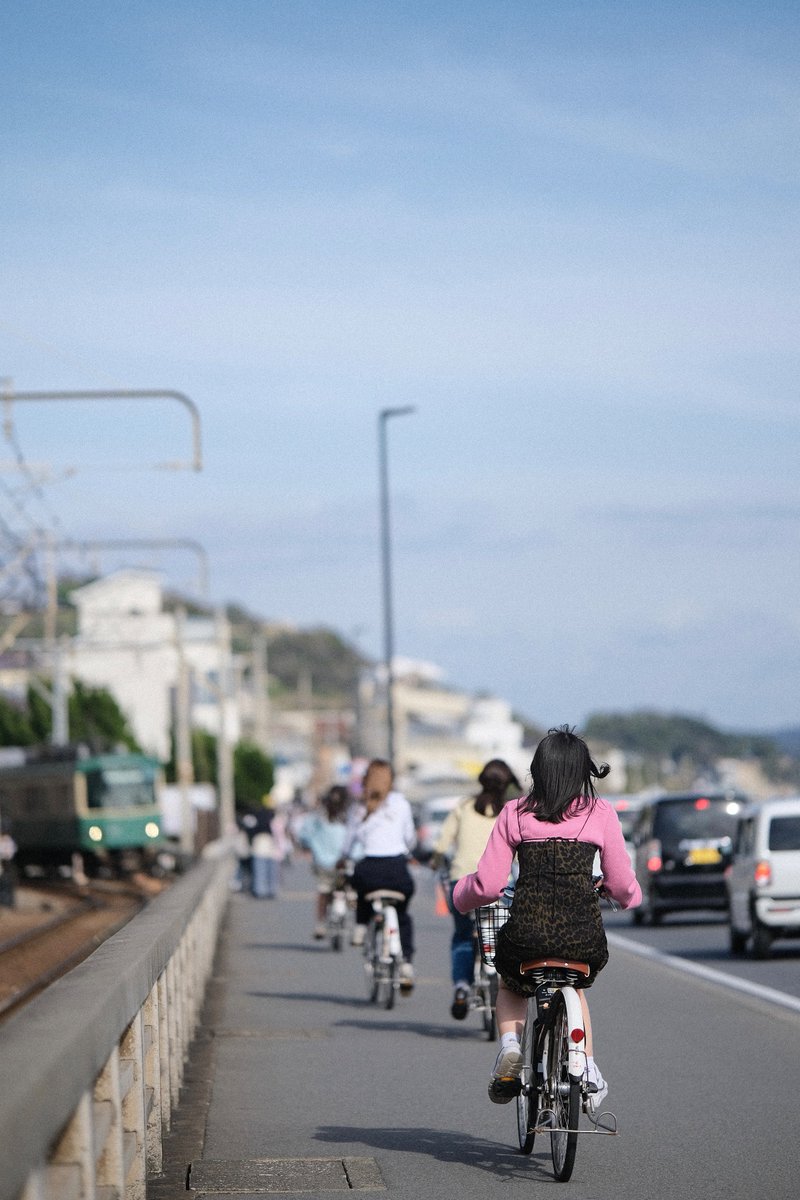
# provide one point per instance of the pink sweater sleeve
(486, 883)
(602, 828)
(619, 879)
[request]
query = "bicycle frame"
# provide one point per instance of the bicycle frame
(554, 1076)
(382, 948)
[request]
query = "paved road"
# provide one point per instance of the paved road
(702, 938)
(704, 1080)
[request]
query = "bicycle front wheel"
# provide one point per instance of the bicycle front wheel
(483, 998)
(563, 1094)
(490, 1021)
(372, 963)
(528, 1098)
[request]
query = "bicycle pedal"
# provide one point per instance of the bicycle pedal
(503, 1090)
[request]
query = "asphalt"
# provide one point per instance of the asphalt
(296, 1083)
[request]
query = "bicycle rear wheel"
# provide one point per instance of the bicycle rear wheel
(564, 1095)
(390, 981)
(528, 1098)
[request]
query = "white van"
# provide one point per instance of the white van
(763, 881)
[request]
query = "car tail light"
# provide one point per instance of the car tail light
(577, 1035)
(653, 855)
(762, 875)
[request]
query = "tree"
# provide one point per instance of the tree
(94, 718)
(253, 774)
(15, 725)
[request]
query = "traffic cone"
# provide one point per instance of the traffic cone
(441, 902)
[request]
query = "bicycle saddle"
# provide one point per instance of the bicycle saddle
(554, 964)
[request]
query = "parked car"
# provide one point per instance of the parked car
(764, 879)
(683, 844)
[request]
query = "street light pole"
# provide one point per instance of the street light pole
(388, 626)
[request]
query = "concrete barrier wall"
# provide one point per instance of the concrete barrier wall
(91, 1070)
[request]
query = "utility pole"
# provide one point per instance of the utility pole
(261, 708)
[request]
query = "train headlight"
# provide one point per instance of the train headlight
(151, 829)
(95, 833)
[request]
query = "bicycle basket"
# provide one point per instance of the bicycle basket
(489, 921)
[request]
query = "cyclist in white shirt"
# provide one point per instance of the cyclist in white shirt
(380, 839)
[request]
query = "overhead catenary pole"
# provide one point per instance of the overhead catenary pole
(386, 559)
(10, 397)
(184, 768)
(225, 750)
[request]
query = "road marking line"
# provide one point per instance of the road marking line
(731, 981)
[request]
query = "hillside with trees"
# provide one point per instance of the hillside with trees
(686, 746)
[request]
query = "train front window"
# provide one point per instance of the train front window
(120, 787)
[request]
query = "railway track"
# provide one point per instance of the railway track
(72, 922)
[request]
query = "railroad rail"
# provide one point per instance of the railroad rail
(92, 1067)
(31, 959)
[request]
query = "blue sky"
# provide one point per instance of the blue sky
(567, 234)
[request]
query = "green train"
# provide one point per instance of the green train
(59, 803)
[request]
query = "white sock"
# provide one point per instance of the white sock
(508, 1039)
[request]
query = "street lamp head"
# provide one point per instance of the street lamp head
(397, 412)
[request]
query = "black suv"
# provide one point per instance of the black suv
(683, 843)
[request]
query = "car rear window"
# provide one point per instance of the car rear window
(784, 833)
(696, 818)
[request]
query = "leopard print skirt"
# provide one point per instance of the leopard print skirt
(555, 912)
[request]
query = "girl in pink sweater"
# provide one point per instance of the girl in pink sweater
(555, 832)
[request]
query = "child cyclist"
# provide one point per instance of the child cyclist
(555, 832)
(323, 833)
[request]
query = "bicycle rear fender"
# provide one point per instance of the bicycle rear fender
(577, 1050)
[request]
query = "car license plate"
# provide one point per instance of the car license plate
(703, 856)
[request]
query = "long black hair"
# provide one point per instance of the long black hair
(562, 771)
(495, 780)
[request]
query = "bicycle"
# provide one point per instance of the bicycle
(337, 914)
(382, 950)
(483, 994)
(554, 1081)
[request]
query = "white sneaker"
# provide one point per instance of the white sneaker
(406, 977)
(598, 1088)
(504, 1083)
(359, 933)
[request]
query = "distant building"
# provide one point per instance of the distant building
(128, 644)
(438, 731)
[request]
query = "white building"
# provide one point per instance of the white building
(439, 731)
(127, 643)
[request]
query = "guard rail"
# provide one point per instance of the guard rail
(91, 1070)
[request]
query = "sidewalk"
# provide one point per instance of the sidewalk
(296, 1083)
(258, 1089)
